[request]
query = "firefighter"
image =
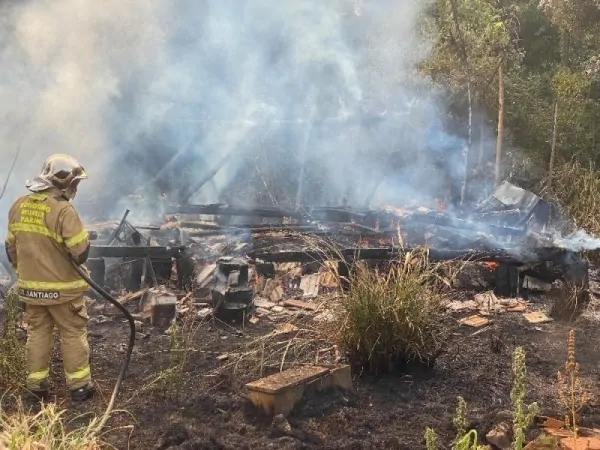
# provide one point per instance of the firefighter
(45, 235)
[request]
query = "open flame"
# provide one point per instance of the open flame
(376, 242)
(491, 266)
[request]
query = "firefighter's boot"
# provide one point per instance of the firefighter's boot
(41, 394)
(82, 394)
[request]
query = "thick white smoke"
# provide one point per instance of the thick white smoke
(326, 91)
(63, 67)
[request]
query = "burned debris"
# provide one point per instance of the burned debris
(232, 297)
(233, 251)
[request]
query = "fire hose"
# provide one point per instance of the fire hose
(130, 345)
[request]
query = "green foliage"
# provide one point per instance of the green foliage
(431, 439)
(549, 50)
(523, 414)
(469, 442)
(392, 317)
(465, 440)
(460, 418)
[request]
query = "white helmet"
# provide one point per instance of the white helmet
(59, 171)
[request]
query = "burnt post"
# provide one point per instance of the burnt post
(507, 280)
(232, 296)
(575, 296)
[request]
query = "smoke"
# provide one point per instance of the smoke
(325, 96)
(64, 65)
(578, 241)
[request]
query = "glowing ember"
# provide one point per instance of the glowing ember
(376, 242)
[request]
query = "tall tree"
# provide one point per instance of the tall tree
(497, 171)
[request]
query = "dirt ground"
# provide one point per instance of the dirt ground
(211, 412)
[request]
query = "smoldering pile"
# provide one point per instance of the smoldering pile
(238, 262)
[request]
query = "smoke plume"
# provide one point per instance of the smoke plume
(322, 101)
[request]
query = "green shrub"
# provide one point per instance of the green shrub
(393, 317)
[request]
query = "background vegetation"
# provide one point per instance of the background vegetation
(530, 71)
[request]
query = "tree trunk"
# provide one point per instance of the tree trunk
(500, 127)
(465, 61)
(553, 146)
(481, 142)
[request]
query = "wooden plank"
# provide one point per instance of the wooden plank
(300, 304)
(287, 379)
(205, 276)
(537, 317)
(310, 285)
(279, 393)
(132, 296)
(475, 321)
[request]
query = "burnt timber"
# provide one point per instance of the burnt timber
(108, 251)
(536, 256)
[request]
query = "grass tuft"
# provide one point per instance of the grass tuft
(44, 430)
(12, 349)
(392, 317)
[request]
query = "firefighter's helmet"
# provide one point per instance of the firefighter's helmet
(62, 171)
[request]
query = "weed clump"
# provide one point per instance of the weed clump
(393, 317)
(464, 440)
(523, 414)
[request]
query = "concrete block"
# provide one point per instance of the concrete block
(279, 393)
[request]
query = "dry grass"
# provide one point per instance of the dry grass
(44, 430)
(297, 341)
(19, 428)
(12, 349)
(393, 316)
(577, 189)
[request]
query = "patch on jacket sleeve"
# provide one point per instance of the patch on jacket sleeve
(39, 295)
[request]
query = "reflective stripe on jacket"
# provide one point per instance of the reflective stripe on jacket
(43, 230)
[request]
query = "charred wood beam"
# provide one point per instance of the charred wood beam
(317, 213)
(242, 231)
(147, 227)
(331, 214)
(341, 215)
(532, 256)
(253, 229)
(117, 231)
(107, 251)
(200, 225)
(226, 210)
(300, 229)
(441, 220)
